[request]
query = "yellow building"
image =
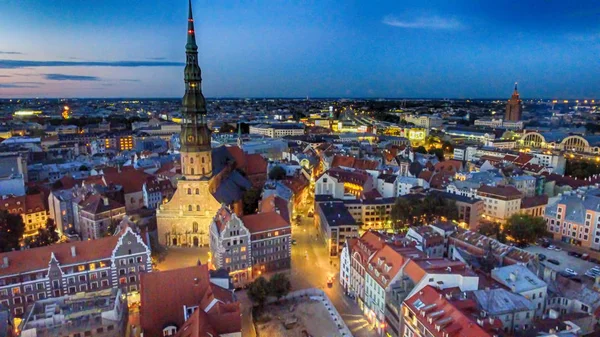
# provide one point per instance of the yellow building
(31, 209)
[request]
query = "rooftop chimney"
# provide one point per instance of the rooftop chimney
(105, 200)
(5, 262)
(73, 253)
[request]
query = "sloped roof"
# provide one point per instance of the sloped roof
(264, 221)
(38, 258)
(183, 287)
(453, 319)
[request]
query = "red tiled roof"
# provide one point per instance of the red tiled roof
(504, 191)
(256, 164)
(96, 204)
(372, 194)
(273, 203)
(523, 159)
(35, 203)
(165, 293)
(238, 155)
(264, 221)
(38, 258)
(538, 200)
(352, 162)
(387, 262)
(132, 180)
(297, 183)
(451, 165)
(450, 317)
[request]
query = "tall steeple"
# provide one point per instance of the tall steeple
(513, 107)
(195, 138)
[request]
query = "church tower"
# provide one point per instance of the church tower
(185, 219)
(196, 160)
(513, 107)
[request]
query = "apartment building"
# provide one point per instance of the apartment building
(68, 268)
(277, 130)
(335, 225)
(32, 210)
(500, 202)
(575, 217)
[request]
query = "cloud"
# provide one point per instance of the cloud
(423, 22)
(13, 64)
(19, 85)
(66, 77)
(156, 58)
(4, 76)
(129, 80)
(10, 53)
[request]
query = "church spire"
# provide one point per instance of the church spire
(191, 35)
(516, 91)
(195, 137)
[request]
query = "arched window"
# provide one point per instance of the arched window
(189, 191)
(190, 208)
(197, 191)
(191, 160)
(195, 227)
(203, 171)
(202, 160)
(198, 208)
(192, 171)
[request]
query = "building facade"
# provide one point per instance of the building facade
(68, 268)
(513, 107)
(185, 219)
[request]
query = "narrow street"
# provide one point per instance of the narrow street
(311, 267)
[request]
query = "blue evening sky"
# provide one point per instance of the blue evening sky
(320, 48)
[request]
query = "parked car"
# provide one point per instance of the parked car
(558, 249)
(542, 257)
(585, 256)
(551, 247)
(571, 253)
(553, 261)
(570, 271)
(545, 244)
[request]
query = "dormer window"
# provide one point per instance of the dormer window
(169, 330)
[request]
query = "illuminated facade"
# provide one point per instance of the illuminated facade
(185, 220)
(513, 107)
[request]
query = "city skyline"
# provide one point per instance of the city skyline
(320, 49)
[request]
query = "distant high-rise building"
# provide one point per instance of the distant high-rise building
(513, 107)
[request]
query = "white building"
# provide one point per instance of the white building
(406, 183)
(277, 130)
(520, 280)
(500, 202)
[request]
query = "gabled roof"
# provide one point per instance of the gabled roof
(434, 310)
(38, 258)
(96, 204)
(185, 287)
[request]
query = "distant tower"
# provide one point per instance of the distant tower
(196, 157)
(513, 107)
(240, 142)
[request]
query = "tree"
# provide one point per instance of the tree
(258, 291)
(420, 149)
(46, 236)
(279, 285)
(250, 200)
(524, 228)
(402, 212)
(227, 128)
(439, 153)
(277, 173)
(11, 231)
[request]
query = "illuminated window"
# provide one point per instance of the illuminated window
(243, 249)
(92, 266)
(81, 268)
(16, 291)
(276, 233)
(227, 260)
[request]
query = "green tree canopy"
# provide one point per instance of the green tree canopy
(277, 173)
(258, 291)
(279, 285)
(420, 149)
(11, 231)
(250, 200)
(46, 236)
(419, 212)
(524, 228)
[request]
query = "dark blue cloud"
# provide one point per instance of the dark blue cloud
(4, 76)
(129, 80)
(13, 64)
(156, 58)
(66, 77)
(10, 53)
(20, 85)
